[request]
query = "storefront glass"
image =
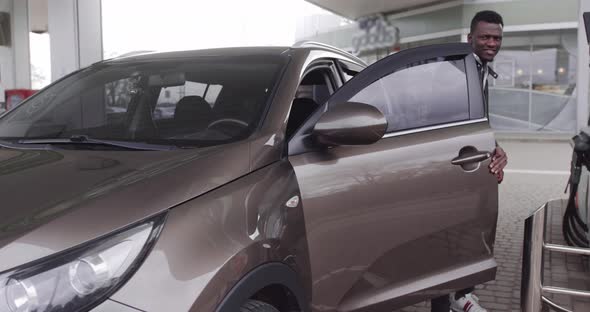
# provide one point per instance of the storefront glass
(535, 89)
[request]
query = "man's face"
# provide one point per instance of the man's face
(486, 40)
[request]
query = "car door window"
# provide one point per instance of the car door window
(415, 88)
(425, 93)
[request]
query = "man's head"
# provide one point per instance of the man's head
(485, 35)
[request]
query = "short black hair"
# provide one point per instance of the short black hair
(486, 16)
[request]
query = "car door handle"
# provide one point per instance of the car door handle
(471, 158)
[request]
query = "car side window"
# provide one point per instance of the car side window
(348, 70)
(313, 91)
(426, 93)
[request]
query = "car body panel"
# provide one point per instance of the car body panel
(238, 227)
(117, 188)
(409, 212)
(112, 306)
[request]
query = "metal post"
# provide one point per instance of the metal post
(531, 68)
(583, 76)
(532, 261)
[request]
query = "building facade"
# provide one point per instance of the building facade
(539, 66)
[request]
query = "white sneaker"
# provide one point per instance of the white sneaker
(468, 303)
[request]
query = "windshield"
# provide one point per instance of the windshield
(196, 102)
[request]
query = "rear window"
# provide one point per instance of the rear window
(200, 101)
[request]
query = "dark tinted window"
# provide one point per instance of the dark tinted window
(423, 94)
(316, 85)
(314, 90)
(201, 101)
(169, 96)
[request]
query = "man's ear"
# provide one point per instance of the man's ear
(469, 38)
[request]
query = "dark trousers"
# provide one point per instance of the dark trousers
(442, 303)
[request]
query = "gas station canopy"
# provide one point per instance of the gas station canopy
(354, 9)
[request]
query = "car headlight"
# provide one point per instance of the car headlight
(81, 277)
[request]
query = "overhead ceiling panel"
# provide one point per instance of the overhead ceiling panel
(354, 9)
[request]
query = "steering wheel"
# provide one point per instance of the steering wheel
(235, 122)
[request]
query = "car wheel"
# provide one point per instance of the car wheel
(257, 306)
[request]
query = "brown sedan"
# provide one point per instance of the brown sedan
(283, 179)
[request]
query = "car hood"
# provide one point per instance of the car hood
(56, 199)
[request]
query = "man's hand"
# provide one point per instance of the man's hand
(499, 161)
(500, 176)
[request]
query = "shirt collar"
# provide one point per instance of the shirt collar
(487, 69)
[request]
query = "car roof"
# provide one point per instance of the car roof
(230, 51)
(305, 44)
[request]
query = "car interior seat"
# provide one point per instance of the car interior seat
(192, 113)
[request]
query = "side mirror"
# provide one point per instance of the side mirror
(350, 123)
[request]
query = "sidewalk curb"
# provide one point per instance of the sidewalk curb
(534, 137)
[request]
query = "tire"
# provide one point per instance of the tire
(257, 306)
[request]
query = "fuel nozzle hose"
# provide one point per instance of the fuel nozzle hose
(574, 228)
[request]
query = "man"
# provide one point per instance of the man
(485, 37)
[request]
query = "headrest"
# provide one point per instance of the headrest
(192, 107)
(305, 102)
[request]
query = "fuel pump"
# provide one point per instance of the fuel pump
(575, 229)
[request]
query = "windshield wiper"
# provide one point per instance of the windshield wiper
(83, 139)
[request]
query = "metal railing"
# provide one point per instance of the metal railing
(532, 293)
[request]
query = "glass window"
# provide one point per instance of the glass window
(175, 93)
(348, 70)
(316, 85)
(535, 88)
(117, 97)
(212, 93)
(423, 94)
(169, 97)
(311, 93)
(509, 93)
(201, 102)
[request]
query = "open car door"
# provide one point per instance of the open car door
(412, 216)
